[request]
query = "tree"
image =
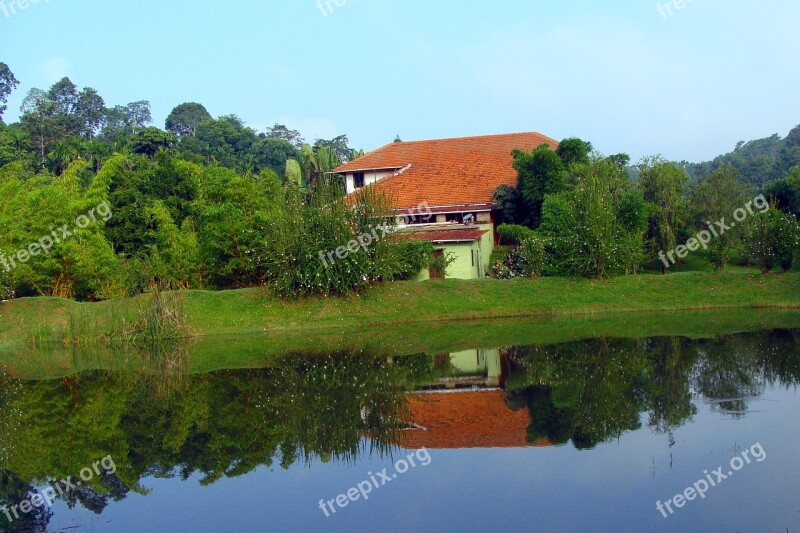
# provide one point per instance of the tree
(662, 184)
(273, 153)
(339, 147)
(294, 175)
(7, 85)
(539, 173)
(40, 121)
(793, 183)
(64, 95)
(507, 200)
(317, 162)
(598, 227)
(774, 240)
(715, 198)
(91, 111)
(123, 120)
(574, 151)
(137, 114)
(184, 119)
(279, 131)
(150, 140)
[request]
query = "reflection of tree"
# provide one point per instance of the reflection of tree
(587, 391)
(222, 424)
(12, 492)
(736, 368)
(162, 421)
(668, 392)
(591, 391)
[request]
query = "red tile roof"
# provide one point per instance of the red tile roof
(449, 235)
(467, 420)
(447, 172)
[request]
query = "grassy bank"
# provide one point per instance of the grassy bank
(253, 311)
(212, 353)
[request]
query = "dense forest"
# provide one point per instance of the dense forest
(575, 212)
(97, 203)
(204, 203)
(758, 162)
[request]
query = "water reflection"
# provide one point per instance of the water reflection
(162, 422)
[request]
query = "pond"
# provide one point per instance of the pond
(628, 433)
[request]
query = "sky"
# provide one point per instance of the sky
(685, 79)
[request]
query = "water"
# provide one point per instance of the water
(579, 436)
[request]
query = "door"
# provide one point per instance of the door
(433, 271)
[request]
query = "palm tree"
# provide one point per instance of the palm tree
(63, 153)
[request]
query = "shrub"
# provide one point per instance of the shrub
(784, 238)
(441, 263)
(774, 239)
(525, 261)
(411, 258)
(514, 234)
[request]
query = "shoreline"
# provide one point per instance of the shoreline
(31, 321)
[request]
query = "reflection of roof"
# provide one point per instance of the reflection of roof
(447, 172)
(475, 419)
(463, 234)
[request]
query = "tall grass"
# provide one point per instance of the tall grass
(159, 318)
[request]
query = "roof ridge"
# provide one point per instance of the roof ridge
(469, 137)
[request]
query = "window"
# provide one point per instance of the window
(358, 179)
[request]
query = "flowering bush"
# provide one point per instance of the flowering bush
(774, 239)
(525, 261)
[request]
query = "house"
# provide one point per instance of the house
(455, 180)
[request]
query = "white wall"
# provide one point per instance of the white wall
(370, 177)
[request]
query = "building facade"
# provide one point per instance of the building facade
(454, 180)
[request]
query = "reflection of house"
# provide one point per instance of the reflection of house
(465, 409)
(470, 419)
(470, 369)
(455, 180)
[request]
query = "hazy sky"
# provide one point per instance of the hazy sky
(619, 73)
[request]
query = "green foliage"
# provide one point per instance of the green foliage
(663, 185)
(508, 202)
(785, 193)
(513, 234)
(7, 85)
(329, 246)
(294, 174)
(539, 173)
(574, 151)
(760, 161)
(441, 263)
(412, 257)
(775, 239)
(185, 118)
(149, 141)
(715, 198)
(597, 228)
(525, 261)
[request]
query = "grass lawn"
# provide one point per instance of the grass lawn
(253, 311)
